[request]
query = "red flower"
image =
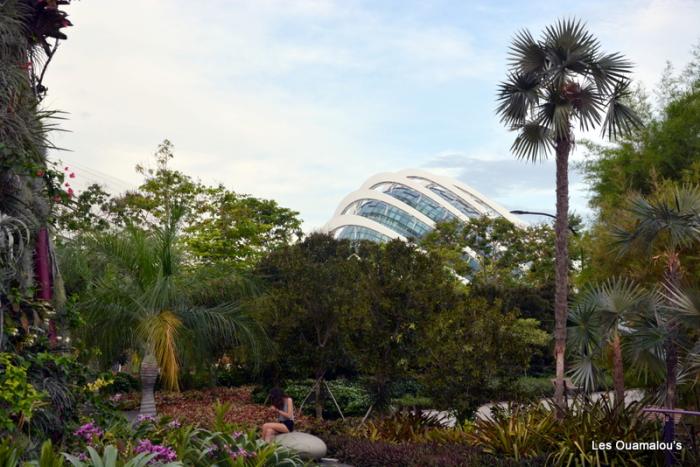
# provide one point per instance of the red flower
(66, 184)
(65, 168)
(40, 173)
(72, 175)
(70, 192)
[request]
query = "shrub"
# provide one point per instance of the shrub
(528, 432)
(123, 382)
(19, 399)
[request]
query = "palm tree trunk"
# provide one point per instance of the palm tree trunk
(618, 372)
(561, 281)
(672, 280)
(149, 375)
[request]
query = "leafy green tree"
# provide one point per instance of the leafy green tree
(647, 161)
(219, 226)
(311, 289)
(473, 353)
(405, 288)
(555, 82)
(140, 303)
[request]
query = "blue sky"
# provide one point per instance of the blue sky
(302, 100)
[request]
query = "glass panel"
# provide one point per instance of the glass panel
(416, 200)
(456, 201)
(357, 232)
(390, 216)
(480, 202)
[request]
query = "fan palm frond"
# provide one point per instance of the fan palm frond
(614, 301)
(584, 328)
(609, 69)
(517, 96)
(673, 217)
(526, 55)
(620, 117)
(686, 305)
(534, 141)
(584, 371)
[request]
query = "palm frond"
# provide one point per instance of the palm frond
(160, 331)
(673, 216)
(526, 55)
(584, 328)
(609, 69)
(570, 48)
(620, 118)
(517, 97)
(587, 104)
(686, 305)
(585, 372)
(615, 300)
(223, 327)
(534, 141)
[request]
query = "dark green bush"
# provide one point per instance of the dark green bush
(123, 383)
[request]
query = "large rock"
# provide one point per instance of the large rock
(308, 446)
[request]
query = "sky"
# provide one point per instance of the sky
(300, 101)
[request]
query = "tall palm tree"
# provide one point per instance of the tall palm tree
(554, 83)
(598, 322)
(142, 304)
(665, 226)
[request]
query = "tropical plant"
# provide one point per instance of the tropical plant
(667, 226)
(110, 458)
(140, 304)
(562, 79)
(598, 321)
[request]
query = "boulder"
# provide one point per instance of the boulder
(308, 446)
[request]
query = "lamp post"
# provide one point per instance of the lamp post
(537, 213)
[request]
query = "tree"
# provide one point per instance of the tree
(471, 353)
(598, 321)
(405, 289)
(139, 303)
(219, 226)
(665, 225)
(562, 79)
(312, 287)
(656, 157)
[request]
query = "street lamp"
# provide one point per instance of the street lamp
(536, 213)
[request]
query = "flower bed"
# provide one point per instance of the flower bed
(198, 407)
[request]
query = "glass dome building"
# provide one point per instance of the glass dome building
(408, 204)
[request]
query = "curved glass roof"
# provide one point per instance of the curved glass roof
(358, 232)
(390, 216)
(449, 196)
(416, 200)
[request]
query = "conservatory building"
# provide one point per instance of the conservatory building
(408, 204)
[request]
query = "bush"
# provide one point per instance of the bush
(123, 383)
(529, 432)
(529, 388)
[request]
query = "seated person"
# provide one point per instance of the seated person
(284, 407)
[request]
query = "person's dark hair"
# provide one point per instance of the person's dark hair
(277, 397)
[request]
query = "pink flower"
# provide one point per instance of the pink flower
(72, 175)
